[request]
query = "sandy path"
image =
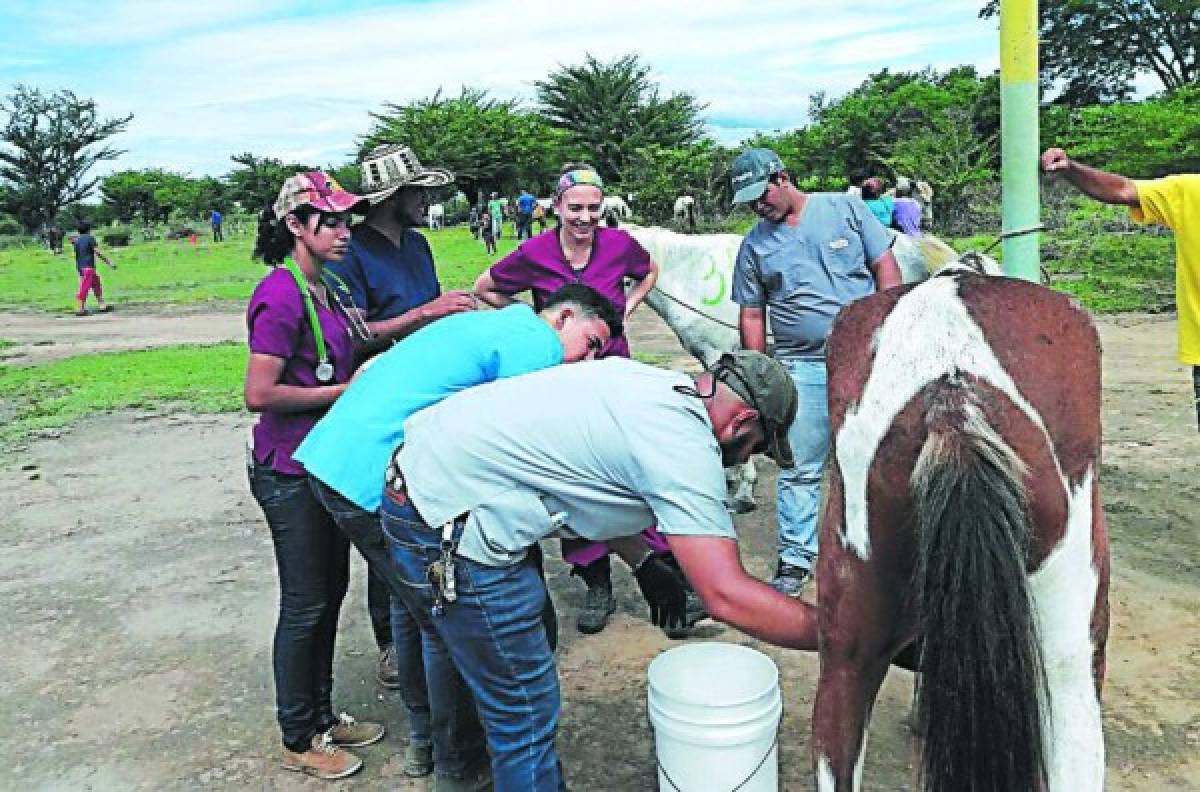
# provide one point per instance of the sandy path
(140, 592)
(40, 337)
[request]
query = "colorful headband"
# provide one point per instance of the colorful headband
(574, 178)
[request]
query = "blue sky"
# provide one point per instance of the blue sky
(206, 79)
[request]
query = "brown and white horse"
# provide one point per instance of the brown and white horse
(963, 530)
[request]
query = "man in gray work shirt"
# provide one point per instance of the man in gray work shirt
(810, 255)
(594, 450)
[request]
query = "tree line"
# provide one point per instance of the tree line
(939, 126)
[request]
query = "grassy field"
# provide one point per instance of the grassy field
(1090, 255)
(204, 378)
(175, 272)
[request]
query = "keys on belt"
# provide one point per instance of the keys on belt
(442, 573)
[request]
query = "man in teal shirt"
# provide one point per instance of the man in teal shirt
(347, 453)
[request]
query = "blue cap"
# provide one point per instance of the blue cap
(751, 171)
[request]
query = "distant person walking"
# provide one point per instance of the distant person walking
(495, 208)
(525, 204)
(86, 253)
(216, 226)
(487, 232)
(1172, 201)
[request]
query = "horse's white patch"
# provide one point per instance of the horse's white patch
(1064, 594)
(862, 759)
(927, 335)
(825, 780)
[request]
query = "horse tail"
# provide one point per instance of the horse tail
(982, 691)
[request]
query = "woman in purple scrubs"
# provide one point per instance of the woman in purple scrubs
(302, 342)
(580, 250)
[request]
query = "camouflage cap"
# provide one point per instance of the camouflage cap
(751, 172)
(315, 189)
(764, 384)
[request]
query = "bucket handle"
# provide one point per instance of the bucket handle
(744, 781)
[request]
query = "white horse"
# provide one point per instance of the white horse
(437, 216)
(694, 297)
(685, 212)
(615, 205)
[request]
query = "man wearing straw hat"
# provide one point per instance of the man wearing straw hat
(390, 275)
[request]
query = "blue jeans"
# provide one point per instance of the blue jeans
(799, 489)
(439, 705)
(495, 636)
(313, 559)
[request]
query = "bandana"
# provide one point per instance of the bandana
(576, 177)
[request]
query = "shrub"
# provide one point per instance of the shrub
(116, 238)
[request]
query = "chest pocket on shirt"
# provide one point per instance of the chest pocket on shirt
(843, 254)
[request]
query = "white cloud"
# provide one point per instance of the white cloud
(206, 80)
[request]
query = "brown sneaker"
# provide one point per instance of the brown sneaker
(355, 734)
(323, 760)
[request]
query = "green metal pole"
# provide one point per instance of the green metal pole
(1019, 135)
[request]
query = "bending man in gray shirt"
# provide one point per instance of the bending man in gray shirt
(595, 450)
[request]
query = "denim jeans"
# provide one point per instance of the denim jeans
(495, 636)
(440, 708)
(799, 489)
(379, 609)
(313, 559)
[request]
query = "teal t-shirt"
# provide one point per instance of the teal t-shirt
(350, 447)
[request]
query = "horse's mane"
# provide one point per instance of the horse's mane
(937, 254)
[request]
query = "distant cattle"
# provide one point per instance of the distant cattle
(685, 212)
(437, 216)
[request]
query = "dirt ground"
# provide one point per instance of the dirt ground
(140, 592)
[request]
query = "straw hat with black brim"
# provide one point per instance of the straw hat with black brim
(392, 166)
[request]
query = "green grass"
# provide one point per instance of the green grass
(202, 378)
(174, 272)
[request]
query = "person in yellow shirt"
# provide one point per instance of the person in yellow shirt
(1172, 201)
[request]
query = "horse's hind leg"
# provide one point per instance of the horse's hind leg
(846, 693)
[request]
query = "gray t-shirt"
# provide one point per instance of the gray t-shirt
(609, 443)
(805, 274)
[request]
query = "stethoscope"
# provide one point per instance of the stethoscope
(324, 368)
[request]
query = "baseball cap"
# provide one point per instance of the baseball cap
(764, 384)
(314, 188)
(751, 171)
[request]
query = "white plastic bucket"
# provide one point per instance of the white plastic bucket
(715, 710)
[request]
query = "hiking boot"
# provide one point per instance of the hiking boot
(599, 602)
(388, 670)
(418, 760)
(354, 734)
(790, 579)
(477, 781)
(323, 760)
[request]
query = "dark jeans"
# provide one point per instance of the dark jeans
(495, 636)
(524, 225)
(1196, 392)
(313, 558)
(439, 704)
(379, 608)
(217, 235)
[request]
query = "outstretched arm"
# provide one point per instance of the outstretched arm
(1111, 188)
(485, 289)
(732, 596)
